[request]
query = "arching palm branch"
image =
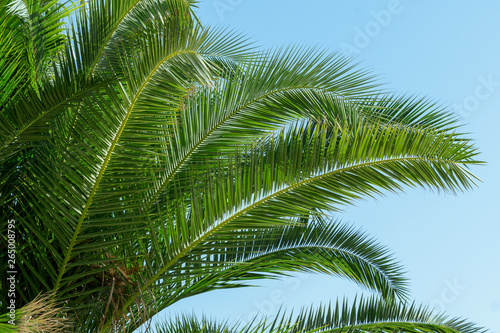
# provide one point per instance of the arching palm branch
(146, 159)
(364, 315)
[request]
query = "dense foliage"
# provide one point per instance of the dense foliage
(146, 158)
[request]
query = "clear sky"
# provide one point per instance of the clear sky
(447, 50)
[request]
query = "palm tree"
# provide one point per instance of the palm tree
(146, 158)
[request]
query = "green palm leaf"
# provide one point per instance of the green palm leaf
(237, 256)
(364, 315)
(146, 158)
(376, 315)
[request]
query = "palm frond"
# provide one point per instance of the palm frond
(375, 315)
(116, 22)
(146, 158)
(237, 257)
(363, 315)
(42, 25)
(268, 94)
(300, 169)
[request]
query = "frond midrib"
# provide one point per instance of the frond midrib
(309, 246)
(9, 141)
(108, 39)
(192, 150)
(214, 229)
(319, 245)
(105, 163)
(380, 324)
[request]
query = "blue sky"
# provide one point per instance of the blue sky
(446, 50)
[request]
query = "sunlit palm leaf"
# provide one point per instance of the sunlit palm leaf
(376, 315)
(147, 159)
